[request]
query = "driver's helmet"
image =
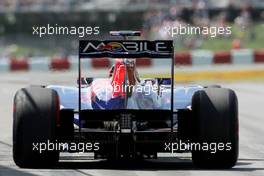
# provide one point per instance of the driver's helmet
(126, 63)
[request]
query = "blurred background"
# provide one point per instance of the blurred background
(243, 47)
(235, 61)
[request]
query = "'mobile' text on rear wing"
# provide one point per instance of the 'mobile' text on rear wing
(126, 48)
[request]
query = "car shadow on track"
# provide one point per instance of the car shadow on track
(159, 164)
(15, 172)
(149, 165)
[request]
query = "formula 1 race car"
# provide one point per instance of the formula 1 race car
(125, 116)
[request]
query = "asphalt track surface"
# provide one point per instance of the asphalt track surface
(251, 157)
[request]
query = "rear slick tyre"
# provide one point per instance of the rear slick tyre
(34, 120)
(215, 123)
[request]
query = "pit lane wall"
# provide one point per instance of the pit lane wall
(193, 58)
(199, 65)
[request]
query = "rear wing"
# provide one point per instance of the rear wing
(91, 49)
